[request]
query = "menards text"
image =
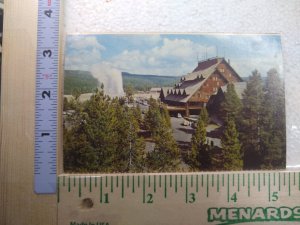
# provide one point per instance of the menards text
(249, 214)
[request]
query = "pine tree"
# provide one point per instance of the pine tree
(130, 155)
(250, 129)
(101, 134)
(204, 116)
(78, 152)
(273, 123)
(153, 116)
(231, 147)
(166, 156)
(232, 105)
(200, 156)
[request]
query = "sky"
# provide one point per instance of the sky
(172, 54)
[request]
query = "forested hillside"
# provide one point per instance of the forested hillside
(82, 81)
(145, 82)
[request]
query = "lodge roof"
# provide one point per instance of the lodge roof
(191, 82)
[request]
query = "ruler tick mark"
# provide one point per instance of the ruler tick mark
(238, 182)
(122, 194)
(269, 186)
(186, 189)
(101, 189)
(165, 183)
(90, 184)
(207, 186)
(144, 187)
(218, 183)
(289, 184)
(279, 181)
(175, 183)
(69, 184)
(160, 181)
(258, 181)
(248, 185)
(133, 184)
(154, 184)
(79, 187)
(228, 192)
(197, 183)
(181, 180)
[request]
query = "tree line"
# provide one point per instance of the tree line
(105, 134)
(254, 134)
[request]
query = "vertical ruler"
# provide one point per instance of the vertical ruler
(46, 97)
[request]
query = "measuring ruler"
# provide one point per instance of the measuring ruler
(46, 97)
(134, 199)
(200, 198)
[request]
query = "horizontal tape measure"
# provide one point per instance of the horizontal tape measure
(200, 198)
(46, 97)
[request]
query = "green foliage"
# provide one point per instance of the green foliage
(102, 136)
(251, 122)
(204, 116)
(232, 105)
(152, 117)
(231, 147)
(129, 93)
(82, 81)
(273, 123)
(166, 155)
(200, 155)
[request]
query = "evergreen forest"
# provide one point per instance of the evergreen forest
(107, 135)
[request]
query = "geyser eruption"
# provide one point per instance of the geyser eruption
(110, 77)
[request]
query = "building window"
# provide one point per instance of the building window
(222, 70)
(229, 74)
(218, 83)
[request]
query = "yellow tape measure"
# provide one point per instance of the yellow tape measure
(188, 198)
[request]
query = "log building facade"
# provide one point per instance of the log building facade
(193, 91)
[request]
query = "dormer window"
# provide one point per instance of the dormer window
(222, 70)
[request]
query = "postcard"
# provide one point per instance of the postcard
(173, 103)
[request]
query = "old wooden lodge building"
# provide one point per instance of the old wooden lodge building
(193, 91)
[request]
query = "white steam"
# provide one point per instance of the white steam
(110, 77)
